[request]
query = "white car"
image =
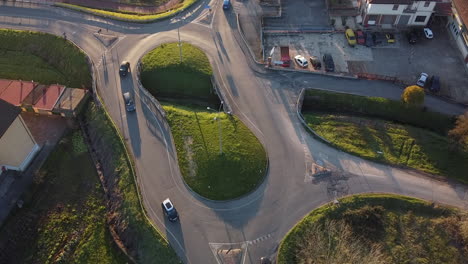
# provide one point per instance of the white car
(428, 33)
(422, 80)
(301, 61)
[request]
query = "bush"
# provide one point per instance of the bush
(392, 110)
(366, 220)
(413, 95)
(460, 131)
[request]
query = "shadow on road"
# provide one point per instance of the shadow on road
(175, 235)
(126, 85)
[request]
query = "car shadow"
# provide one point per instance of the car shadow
(126, 85)
(175, 235)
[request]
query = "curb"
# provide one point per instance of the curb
(342, 76)
(301, 118)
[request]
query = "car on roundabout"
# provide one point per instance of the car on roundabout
(124, 68)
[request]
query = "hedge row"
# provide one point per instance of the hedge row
(316, 100)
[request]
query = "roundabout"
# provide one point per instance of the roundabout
(265, 102)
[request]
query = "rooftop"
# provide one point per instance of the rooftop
(462, 9)
(9, 114)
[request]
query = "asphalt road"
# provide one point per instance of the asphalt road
(264, 101)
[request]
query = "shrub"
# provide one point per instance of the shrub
(460, 131)
(382, 108)
(413, 95)
(366, 220)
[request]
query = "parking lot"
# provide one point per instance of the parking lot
(300, 13)
(438, 56)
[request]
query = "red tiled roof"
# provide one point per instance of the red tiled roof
(16, 91)
(462, 9)
(443, 9)
(49, 97)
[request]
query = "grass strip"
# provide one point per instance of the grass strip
(163, 75)
(129, 17)
(147, 244)
(317, 100)
(392, 143)
(64, 217)
(237, 171)
(381, 228)
(41, 57)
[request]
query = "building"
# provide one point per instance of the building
(457, 26)
(17, 145)
(396, 13)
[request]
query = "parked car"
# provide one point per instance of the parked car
(328, 61)
(422, 80)
(169, 210)
(377, 38)
(129, 102)
(349, 33)
(434, 84)
(428, 33)
(265, 260)
(124, 68)
(301, 61)
(412, 36)
(369, 40)
(226, 4)
(361, 38)
(390, 37)
(315, 62)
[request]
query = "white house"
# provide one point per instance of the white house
(457, 26)
(396, 13)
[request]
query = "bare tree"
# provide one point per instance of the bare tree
(460, 131)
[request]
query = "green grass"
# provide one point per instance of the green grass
(64, 217)
(137, 18)
(316, 100)
(41, 57)
(235, 172)
(148, 245)
(409, 231)
(401, 144)
(165, 77)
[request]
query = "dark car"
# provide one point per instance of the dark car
(265, 260)
(434, 84)
(169, 210)
(377, 38)
(328, 61)
(124, 68)
(412, 37)
(369, 40)
(226, 4)
(129, 102)
(361, 38)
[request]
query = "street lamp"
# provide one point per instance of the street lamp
(180, 44)
(219, 126)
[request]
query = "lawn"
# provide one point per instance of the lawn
(165, 77)
(44, 58)
(393, 143)
(238, 170)
(64, 216)
(378, 228)
(147, 244)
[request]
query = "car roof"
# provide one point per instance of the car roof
(166, 202)
(350, 31)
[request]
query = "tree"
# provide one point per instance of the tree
(413, 95)
(460, 131)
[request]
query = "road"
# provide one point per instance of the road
(265, 101)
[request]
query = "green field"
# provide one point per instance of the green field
(166, 78)
(64, 217)
(399, 144)
(41, 57)
(147, 244)
(237, 171)
(378, 228)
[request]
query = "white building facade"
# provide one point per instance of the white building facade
(396, 13)
(457, 26)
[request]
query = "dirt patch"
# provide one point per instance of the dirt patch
(188, 141)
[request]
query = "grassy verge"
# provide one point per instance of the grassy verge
(378, 228)
(392, 143)
(146, 244)
(130, 17)
(237, 171)
(64, 217)
(165, 77)
(316, 100)
(41, 57)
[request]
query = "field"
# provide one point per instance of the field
(378, 228)
(23, 56)
(64, 217)
(240, 167)
(392, 143)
